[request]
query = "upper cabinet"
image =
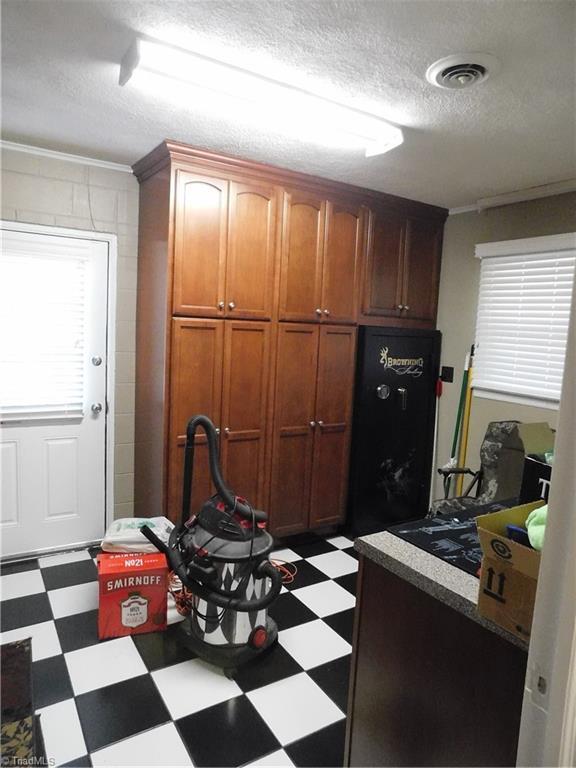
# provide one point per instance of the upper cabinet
(401, 272)
(224, 248)
(320, 261)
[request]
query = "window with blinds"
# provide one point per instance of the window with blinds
(523, 316)
(42, 335)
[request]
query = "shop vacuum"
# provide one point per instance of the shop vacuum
(220, 555)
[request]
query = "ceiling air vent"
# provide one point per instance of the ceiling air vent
(462, 70)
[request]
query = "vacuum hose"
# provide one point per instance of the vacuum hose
(264, 570)
(229, 498)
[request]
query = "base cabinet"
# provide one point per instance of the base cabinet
(220, 369)
(311, 423)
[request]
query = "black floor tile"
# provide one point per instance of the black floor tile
(162, 649)
(275, 664)
(19, 566)
(69, 574)
(79, 762)
(120, 710)
(323, 748)
(228, 734)
(93, 551)
(77, 631)
(305, 576)
(333, 678)
(348, 582)
(308, 547)
(352, 552)
(23, 611)
(50, 682)
(343, 623)
(287, 611)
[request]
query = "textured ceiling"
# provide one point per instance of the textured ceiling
(60, 85)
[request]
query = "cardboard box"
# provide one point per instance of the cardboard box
(509, 571)
(537, 439)
(133, 593)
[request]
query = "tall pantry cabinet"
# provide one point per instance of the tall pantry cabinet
(250, 283)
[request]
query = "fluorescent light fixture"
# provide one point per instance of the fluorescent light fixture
(257, 98)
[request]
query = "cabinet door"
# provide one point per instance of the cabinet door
(301, 267)
(244, 408)
(422, 269)
(293, 435)
(200, 245)
(195, 387)
(382, 290)
(251, 251)
(336, 364)
(343, 241)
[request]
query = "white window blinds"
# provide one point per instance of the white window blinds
(523, 315)
(42, 333)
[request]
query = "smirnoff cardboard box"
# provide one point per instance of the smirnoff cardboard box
(133, 592)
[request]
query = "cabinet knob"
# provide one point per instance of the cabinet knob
(406, 308)
(318, 311)
(320, 423)
(312, 424)
(221, 305)
(326, 311)
(400, 307)
(217, 430)
(231, 305)
(226, 430)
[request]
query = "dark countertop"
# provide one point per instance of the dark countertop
(443, 581)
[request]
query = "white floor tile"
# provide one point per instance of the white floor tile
(45, 641)
(325, 598)
(276, 759)
(159, 746)
(193, 685)
(76, 599)
(285, 555)
(21, 584)
(62, 732)
(334, 564)
(99, 665)
(313, 643)
(294, 707)
(64, 558)
(341, 542)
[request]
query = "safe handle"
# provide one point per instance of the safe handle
(403, 392)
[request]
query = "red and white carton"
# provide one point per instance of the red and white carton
(133, 594)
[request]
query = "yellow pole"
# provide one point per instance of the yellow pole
(465, 427)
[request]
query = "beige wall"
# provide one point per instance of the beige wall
(44, 190)
(458, 302)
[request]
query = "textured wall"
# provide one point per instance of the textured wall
(459, 298)
(43, 190)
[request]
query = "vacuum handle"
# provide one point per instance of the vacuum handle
(229, 497)
(172, 555)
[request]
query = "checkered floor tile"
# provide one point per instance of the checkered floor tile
(144, 700)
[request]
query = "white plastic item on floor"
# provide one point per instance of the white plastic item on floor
(124, 535)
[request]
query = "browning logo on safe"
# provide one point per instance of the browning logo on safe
(403, 366)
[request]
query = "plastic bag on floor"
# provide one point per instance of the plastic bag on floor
(124, 535)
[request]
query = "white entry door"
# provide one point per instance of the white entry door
(53, 361)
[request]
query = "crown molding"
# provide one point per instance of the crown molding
(54, 155)
(518, 196)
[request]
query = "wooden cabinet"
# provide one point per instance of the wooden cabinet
(220, 369)
(321, 251)
(311, 426)
(401, 272)
(224, 248)
(235, 258)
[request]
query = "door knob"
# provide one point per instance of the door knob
(231, 305)
(97, 360)
(318, 311)
(403, 392)
(96, 408)
(312, 424)
(221, 305)
(326, 311)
